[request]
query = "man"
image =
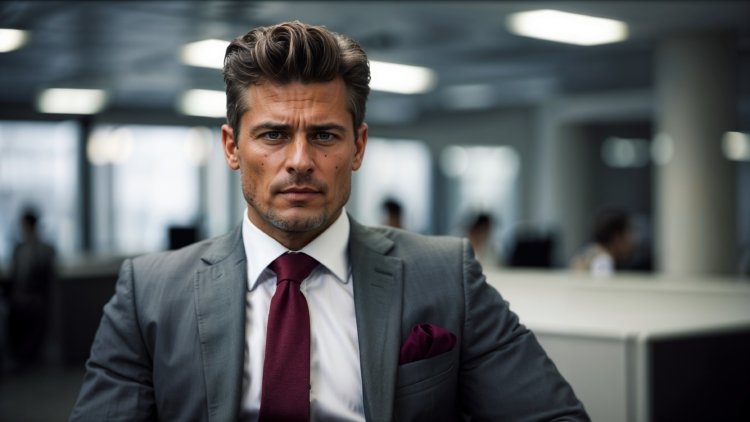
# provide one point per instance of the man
(612, 244)
(32, 275)
(401, 327)
(479, 233)
(393, 212)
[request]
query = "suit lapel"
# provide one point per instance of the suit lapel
(378, 303)
(220, 309)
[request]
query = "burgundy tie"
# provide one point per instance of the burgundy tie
(285, 394)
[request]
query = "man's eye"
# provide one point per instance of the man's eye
(273, 135)
(324, 136)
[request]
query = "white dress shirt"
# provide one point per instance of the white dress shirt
(335, 376)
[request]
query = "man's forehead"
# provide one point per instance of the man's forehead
(318, 100)
(297, 93)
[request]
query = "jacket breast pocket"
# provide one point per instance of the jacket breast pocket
(424, 374)
(426, 389)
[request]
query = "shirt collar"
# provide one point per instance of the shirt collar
(329, 248)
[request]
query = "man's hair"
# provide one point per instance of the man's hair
(30, 217)
(609, 223)
(392, 206)
(294, 52)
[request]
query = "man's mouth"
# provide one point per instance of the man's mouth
(299, 193)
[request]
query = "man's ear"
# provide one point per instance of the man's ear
(231, 149)
(359, 144)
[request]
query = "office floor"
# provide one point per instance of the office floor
(44, 393)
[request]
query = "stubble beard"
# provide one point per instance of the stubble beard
(289, 225)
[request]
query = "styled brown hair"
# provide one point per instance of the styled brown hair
(294, 52)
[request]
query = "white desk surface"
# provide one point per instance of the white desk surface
(624, 306)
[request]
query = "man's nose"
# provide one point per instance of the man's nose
(298, 157)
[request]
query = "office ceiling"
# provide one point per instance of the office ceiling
(131, 48)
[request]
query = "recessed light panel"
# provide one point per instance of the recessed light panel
(206, 53)
(71, 101)
(571, 28)
(203, 103)
(12, 39)
(400, 78)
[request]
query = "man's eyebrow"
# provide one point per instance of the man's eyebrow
(281, 127)
(327, 126)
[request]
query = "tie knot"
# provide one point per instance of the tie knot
(293, 267)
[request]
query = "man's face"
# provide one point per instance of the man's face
(296, 152)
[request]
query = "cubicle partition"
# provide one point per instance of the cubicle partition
(642, 348)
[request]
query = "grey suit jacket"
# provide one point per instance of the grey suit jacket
(170, 345)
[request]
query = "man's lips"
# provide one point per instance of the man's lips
(299, 193)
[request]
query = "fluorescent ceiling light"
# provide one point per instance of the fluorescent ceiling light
(400, 78)
(71, 101)
(736, 146)
(206, 53)
(571, 28)
(203, 103)
(623, 152)
(12, 39)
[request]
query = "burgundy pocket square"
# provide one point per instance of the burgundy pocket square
(426, 341)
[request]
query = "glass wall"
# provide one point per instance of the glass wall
(148, 180)
(482, 181)
(39, 170)
(400, 170)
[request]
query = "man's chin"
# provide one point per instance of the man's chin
(299, 221)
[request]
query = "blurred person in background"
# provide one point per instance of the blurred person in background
(32, 274)
(393, 213)
(302, 313)
(479, 233)
(611, 246)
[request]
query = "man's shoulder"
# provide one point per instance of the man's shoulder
(410, 243)
(208, 251)
(410, 236)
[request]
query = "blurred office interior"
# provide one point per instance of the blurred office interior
(538, 134)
